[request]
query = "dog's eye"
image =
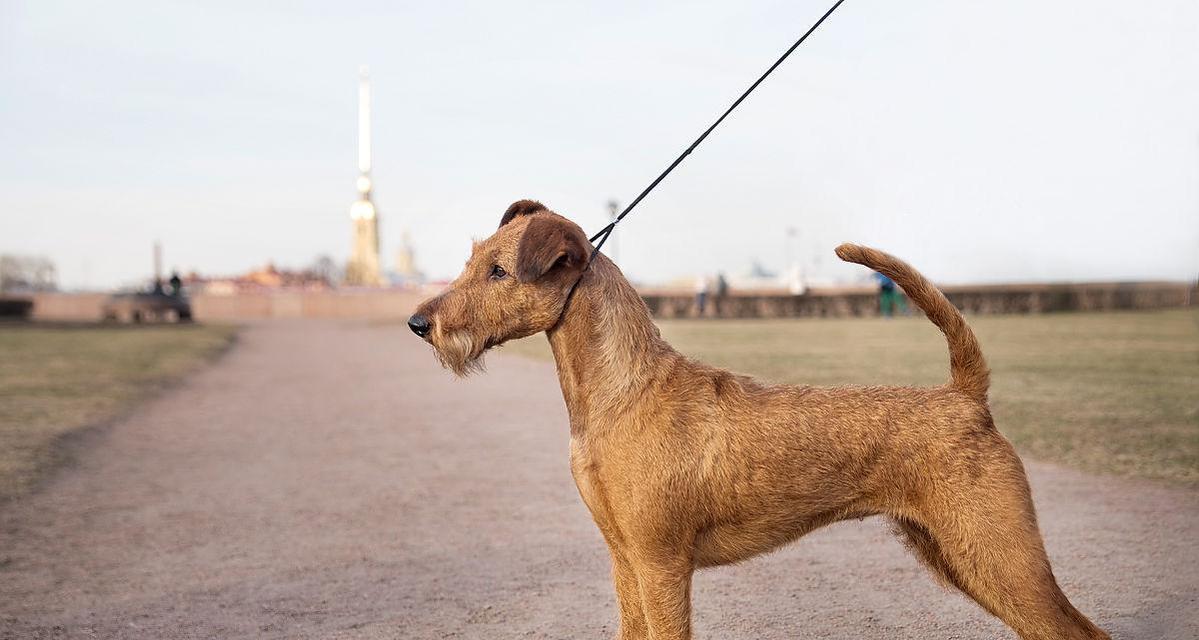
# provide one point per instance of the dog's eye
(497, 272)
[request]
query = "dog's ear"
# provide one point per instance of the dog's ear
(521, 208)
(550, 243)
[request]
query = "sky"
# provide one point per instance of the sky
(981, 141)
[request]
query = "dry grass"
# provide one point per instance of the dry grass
(59, 379)
(1108, 392)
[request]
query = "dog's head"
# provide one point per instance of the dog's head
(516, 283)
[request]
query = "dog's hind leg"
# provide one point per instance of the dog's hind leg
(921, 543)
(984, 541)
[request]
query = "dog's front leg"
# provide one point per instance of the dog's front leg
(628, 597)
(665, 583)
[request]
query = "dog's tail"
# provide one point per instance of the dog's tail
(967, 366)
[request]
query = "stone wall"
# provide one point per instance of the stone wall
(859, 301)
(980, 299)
(249, 306)
(387, 304)
(68, 306)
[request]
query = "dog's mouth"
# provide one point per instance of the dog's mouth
(459, 351)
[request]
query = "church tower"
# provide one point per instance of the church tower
(363, 268)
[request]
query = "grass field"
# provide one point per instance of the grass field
(1114, 392)
(59, 379)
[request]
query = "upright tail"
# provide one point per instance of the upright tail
(968, 368)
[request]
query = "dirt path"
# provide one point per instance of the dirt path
(329, 481)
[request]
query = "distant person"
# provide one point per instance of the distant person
(889, 298)
(176, 284)
(722, 292)
(702, 286)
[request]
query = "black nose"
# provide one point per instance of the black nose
(419, 325)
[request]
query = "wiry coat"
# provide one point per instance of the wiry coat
(686, 466)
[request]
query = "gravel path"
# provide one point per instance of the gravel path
(328, 480)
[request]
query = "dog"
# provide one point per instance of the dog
(685, 466)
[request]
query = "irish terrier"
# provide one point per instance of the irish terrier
(685, 466)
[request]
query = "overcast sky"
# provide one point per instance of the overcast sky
(983, 141)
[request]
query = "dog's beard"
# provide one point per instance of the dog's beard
(460, 352)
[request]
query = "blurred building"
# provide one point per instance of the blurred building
(268, 278)
(406, 272)
(363, 268)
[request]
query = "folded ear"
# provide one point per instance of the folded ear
(521, 208)
(550, 244)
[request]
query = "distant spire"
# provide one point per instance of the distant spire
(363, 268)
(364, 120)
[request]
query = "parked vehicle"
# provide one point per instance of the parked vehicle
(147, 307)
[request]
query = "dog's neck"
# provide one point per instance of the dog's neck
(606, 346)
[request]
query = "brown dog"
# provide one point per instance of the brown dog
(686, 466)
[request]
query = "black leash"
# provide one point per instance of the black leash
(607, 230)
